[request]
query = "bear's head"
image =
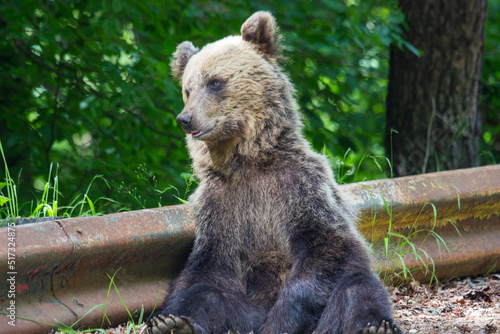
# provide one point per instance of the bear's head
(233, 87)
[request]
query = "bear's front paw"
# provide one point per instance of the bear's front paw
(384, 328)
(172, 324)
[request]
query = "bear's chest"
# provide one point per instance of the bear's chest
(253, 214)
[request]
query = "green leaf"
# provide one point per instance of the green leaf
(91, 205)
(117, 6)
(3, 200)
(413, 49)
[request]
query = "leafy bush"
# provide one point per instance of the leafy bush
(87, 86)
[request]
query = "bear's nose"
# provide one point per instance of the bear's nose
(185, 121)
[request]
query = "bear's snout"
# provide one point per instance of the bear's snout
(186, 121)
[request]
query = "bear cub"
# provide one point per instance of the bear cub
(276, 247)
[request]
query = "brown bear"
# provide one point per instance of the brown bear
(276, 247)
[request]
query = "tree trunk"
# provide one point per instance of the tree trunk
(433, 98)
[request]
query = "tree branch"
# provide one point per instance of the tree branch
(27, 52)
(30, 127)
(147, 124)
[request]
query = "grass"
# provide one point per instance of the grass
(354, 168)
(131, 315)
(9, 201)
(143, 175)
(396, 247)
(48, 202)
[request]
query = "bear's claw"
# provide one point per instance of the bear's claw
(170, 324)
(384, 328)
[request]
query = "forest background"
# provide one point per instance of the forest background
(88, 105)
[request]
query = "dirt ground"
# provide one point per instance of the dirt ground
(457, 306)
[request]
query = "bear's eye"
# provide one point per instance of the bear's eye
(214, 84)
(187, 93)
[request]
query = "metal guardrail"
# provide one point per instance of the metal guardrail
(63, 268)
(462, 207)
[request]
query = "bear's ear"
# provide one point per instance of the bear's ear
(184, 52)
(260, 29)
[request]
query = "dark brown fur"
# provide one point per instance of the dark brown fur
(276, 247)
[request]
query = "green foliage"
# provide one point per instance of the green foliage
(88, 87)
(339, 64)
(489, 106)
(46, 204)
(82, 80)
(9, 198)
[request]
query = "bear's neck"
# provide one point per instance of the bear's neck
(222, 154)
(232, 158)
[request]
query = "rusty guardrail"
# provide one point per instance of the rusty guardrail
(462, 207)
(62, 267)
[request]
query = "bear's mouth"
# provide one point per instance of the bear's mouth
(196, 134)
(205, 131)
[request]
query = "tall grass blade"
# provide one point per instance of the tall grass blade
(12, 205)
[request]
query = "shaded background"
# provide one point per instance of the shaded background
(86, 95)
